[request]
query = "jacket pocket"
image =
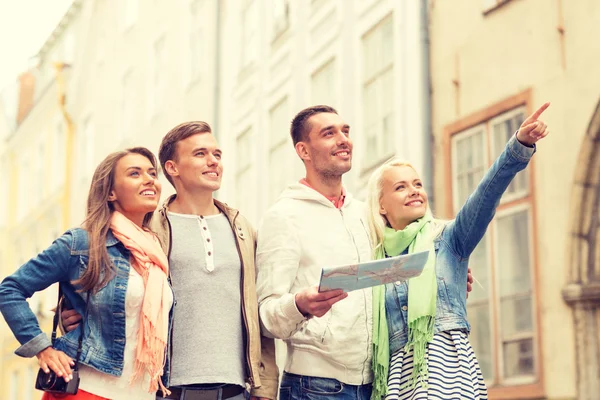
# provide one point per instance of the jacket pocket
(321, 386)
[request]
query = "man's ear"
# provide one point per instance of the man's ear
(171, 168)
(302, 151)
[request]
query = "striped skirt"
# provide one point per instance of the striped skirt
(453, 371)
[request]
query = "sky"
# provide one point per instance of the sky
(24, 27)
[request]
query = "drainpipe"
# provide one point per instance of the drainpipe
(70, 130)
(428, 137)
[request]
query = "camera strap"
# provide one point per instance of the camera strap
(82, 324)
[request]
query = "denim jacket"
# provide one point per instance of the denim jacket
(64, 261)
(453, 248)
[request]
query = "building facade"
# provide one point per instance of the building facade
(535, 313)
(367, 59)
(118, 74)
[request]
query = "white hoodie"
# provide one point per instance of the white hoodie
(299, 235)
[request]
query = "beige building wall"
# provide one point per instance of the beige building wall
(36, 156)
(486, 61)
(133, 71)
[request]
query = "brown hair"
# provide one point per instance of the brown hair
(168, 146)
(100, 270)
(300, 126)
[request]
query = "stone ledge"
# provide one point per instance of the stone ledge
(575, 293)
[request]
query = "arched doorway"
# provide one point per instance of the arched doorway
(583, 291)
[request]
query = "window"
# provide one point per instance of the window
(159, 68)
(4, 199)
(24, 173)
(14, 385)
(280, 150)
(503, 127)
(129, 13)
(59, 153)
(29, 388)
(68, 48)
(501, 307)
(195, 37)
(281, 17)
(249, 32)
(245, 189)
(127, 108)
(86, 149)
(40, 169)
(323, 85)
(378, 90)
(317, 4)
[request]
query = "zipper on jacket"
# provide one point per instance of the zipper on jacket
(237, 245)
(351, 235)
(364, 297)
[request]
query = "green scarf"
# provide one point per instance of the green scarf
(422, 299)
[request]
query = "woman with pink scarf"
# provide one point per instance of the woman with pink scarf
(112, 271)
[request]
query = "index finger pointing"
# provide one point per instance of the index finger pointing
(539, 111)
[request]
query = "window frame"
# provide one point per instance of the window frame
(316, 98)
(156, 82)
(129, 14)
(504, 211)
(498, 388)
(249, 35)
(277, 144)
(507, 197)
(375, 78)
(195, 46)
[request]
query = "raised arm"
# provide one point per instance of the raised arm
(471, 222)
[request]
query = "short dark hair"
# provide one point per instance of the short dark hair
(168, 146)
(300, 127)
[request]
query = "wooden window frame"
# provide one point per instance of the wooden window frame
(485, 116)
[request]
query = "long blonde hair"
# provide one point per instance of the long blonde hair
(100, 269)
(375, 220)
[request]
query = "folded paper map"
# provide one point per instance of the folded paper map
(373, 273)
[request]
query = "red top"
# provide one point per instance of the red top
(337, 202)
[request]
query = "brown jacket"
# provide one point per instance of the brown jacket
(263, 375)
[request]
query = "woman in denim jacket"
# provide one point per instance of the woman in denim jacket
(115, 265)
(421, 347)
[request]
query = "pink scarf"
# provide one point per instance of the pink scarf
(148, 259)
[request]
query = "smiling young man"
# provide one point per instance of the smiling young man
(316, 223)
(215, 342)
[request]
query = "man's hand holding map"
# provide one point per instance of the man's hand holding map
(373, 273)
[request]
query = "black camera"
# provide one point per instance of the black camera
(51, 383)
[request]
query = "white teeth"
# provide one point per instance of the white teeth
(210, 173)
(148, 193)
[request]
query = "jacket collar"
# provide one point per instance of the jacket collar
(229, 212)
(111, 240)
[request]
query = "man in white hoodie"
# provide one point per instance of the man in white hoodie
(316, 223)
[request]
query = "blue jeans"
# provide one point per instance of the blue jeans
(299, 387)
